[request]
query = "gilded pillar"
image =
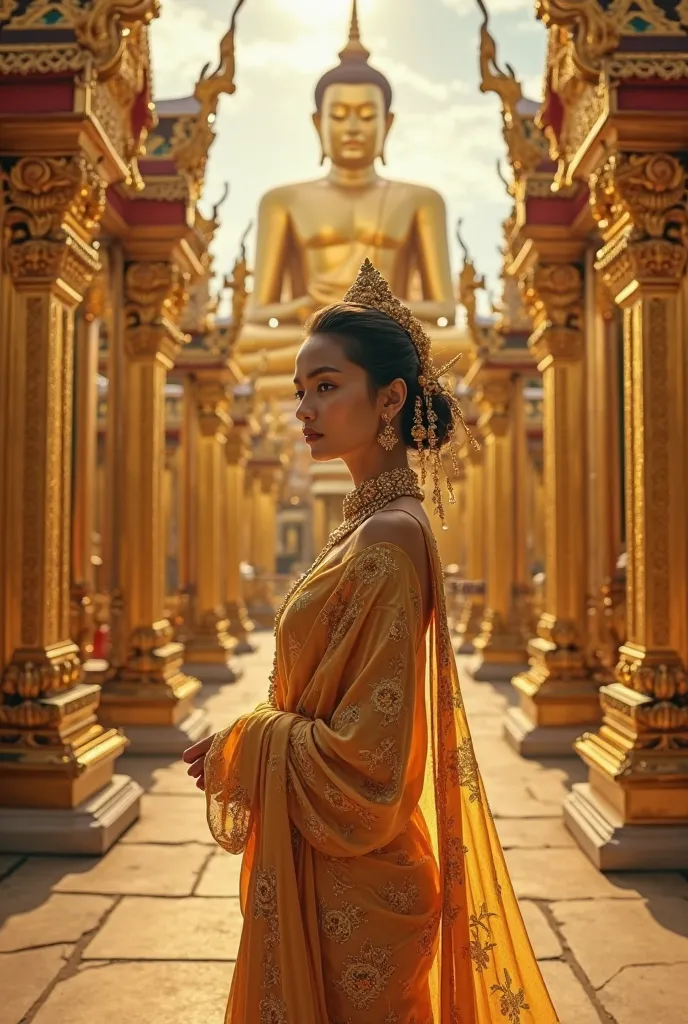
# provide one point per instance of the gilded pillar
(55, 755)
(84, 489)
(473, 585)
(265, 478)
(633, 811)
(146, 689)
(237, 452)
(557, 695)
(209, 647)
(500, 642)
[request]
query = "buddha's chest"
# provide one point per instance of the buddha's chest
(332, 217)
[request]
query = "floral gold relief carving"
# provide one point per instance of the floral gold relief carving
(154, 294)
(99, 29)
(53, 206)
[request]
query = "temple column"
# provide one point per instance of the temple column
(557, 695)
(633, 811)
(473, 586)
(84, 485)
(265, 479)
(146, 690)
(237, 453)
(209, 647)
(57, 788)
(500, 643)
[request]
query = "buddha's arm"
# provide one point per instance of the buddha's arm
(431, 231)
(273, 233)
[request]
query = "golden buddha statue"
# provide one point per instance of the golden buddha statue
(313, 236)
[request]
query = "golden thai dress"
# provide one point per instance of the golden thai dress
(373, 884)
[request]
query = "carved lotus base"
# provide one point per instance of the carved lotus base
(210, 644)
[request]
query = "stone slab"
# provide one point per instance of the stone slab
(568, 875)
(146, 928)
(571, 1001)
(533, 833)
(489, 672)
(530, 740)
(25, 976)
(90, 828)
(161, 776)
(227, 672)
(607, 936)
(140, 993)
(659, 989)
(171, 819)
(511, 799)
(543, 938)
(33, 919)
(156, 740)
(220, 876)
(141, 870)
(612, 845)
(7, 863)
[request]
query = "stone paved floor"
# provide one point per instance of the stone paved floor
(146, 935)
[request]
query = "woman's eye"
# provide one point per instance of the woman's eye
(298, 395)
(324, 384)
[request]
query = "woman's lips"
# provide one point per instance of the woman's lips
(311, 438)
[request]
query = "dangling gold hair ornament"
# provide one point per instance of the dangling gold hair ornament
(372, 291)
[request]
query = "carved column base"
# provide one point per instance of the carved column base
(151, 694)
(210, 651)
(54, 753)
(261, 603)
(638, 760)
(501, 649)
(81, 620)
(471, 617)
(558, 696)
(240, 626)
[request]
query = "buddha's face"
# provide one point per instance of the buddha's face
(353, 124)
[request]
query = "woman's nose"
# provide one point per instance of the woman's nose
(303, 412)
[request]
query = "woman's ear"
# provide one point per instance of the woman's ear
(395, 396)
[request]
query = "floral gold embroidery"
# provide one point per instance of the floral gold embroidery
(336, 798)
(388, 694)
(301, 601)
(339, 923)
(303, 757)
(340, 884)
(294, 648)
(480, 929)
(374, 563)
(399, 629)
(511, 1002)
(316, 828)
(339, 615)
(426, 939)
(265, 894)
(229, 817)
(349, 715)
(365, 976)
(400, 900)
(463, 768)
(273, 1011)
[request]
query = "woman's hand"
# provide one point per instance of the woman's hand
(195, 756)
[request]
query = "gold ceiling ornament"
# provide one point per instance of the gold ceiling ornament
(105, 27)
(591, 32)
(372, 291)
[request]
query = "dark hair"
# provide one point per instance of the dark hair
(380, 346)
(354, 72)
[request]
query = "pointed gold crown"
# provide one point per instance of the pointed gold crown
(371, 290)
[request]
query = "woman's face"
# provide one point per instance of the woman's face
(335, 406)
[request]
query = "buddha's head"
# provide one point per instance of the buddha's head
(353, 102)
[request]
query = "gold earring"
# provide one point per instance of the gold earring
(388, 437)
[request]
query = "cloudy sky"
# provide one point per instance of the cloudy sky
(446, 133)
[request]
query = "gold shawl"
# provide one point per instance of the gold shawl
(346, 918)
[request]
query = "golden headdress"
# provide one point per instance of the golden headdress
(372, 291)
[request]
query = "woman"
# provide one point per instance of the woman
(373, 886)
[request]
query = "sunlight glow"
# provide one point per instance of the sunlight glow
(324, 13)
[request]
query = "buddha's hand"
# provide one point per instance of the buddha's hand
(195, 757)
